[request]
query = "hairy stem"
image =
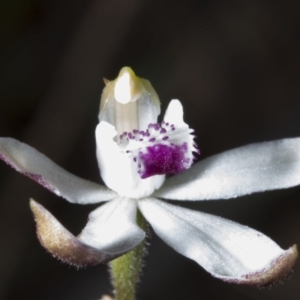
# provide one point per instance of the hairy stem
(126, 270)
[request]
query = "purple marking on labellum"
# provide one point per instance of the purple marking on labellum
(156, 126)
(173, 128)
(130, 135)
(163, 130)
(135, 131)
(147, 133)
(141, 140)
(165, 138)
(167, 124)
(152, 139)
(164, 159)
(196, 150)
(142, 133)
(134, 159)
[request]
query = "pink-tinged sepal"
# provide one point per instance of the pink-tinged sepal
(227, 250)
(241, 171)
(110, 232)
(57, 240)
(275, 272)
(35, 165)
(37, 178)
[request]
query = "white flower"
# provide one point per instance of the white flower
(134, 154)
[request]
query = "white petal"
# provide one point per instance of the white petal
(174, 113)
(112, 227)
(110, 232)
(38, 167)
(245, 170)
(118, 170)
(227, 250)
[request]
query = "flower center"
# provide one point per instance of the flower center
(134, 153)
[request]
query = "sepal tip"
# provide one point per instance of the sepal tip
(61, 243)
(277, 271)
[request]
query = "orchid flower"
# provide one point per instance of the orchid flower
(138, 159)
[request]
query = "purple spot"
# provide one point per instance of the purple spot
(152, 140)
(130, 135)
(156, 126)
(134, 159)
(165, 138)
(141, 140)
(167, 124)
(135, 131)
(164, 159)
(173, 128)
(163, 130)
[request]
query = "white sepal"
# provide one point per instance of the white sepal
(110, 232)
(241, 171)
(227, 250)
(38, 167)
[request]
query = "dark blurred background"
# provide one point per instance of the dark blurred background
(233, 64)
